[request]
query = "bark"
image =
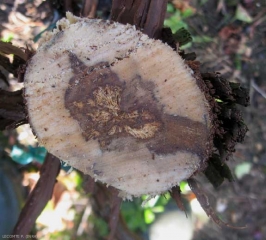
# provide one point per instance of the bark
(12, 109)
(176, 195)
(89, 8)
(147, 15)
(68, 5)
(39, 196)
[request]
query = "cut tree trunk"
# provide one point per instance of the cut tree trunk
(124, 108)
(119, 106)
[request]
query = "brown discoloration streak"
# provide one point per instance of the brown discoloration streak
(180, 134)
(107, 108)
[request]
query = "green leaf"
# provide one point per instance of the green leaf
(183, 36)
(183, 186)
(187, 13)
(237, 61)
(164, 199)
(170, 8)
(158, 209)
(100, 225)
(7, 38)
(133, 214)
(202, 39)
(242, 169)
(202, 2)
(149, 216)
(175, 22)
(242, 14)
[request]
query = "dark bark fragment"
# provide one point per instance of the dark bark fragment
(39, 196)
(240, 94)
(176, 195)
(6, 64)
(3, 78)
(167, 37)
(190, 56)
(217, 171)
(221, 86)
(229, 125)
(12, 109)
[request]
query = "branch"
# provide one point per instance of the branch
(12, 109)
(39, 196)
(105, 198)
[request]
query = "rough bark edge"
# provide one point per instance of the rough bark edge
(195, 66)
(230, 128)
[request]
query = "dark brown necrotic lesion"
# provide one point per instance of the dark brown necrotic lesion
(108, 108)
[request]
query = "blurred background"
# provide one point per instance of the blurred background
(229, 36)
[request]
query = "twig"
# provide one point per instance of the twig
(102, 199)
(114, 216)
(258, 89)
(84, 219)
(176, 195)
